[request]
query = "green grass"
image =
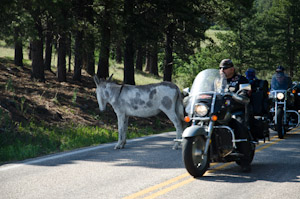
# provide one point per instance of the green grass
(35, 139)
(141, 78)
(212, 34)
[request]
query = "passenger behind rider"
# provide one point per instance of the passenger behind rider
(238, 124)
(259, 105)
(250, 75)
(258, 85)
(280, 80)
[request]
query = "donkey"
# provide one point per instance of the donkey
(140, 101)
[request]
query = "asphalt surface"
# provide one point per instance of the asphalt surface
(149, 168)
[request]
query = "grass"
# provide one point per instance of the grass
(35, 139)
(141, 78)
(31, 134)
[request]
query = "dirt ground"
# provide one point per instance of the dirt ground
(58, 103)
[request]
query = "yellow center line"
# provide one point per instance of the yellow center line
(182, 183)
(190, 178)
(168, 189)
(163, 184)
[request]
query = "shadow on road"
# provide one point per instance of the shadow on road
(278, 163)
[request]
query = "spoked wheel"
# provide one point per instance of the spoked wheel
(279, 126)
(196, 163)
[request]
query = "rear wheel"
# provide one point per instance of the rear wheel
(196, 163)
(279, 126)
(249, 159)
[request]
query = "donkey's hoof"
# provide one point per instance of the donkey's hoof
(119, 146)
(175, 147)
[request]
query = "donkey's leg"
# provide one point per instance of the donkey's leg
(121, 130)
(177, 123)
(123, 141)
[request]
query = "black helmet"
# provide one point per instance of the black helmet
(279, 69)
(226, 63)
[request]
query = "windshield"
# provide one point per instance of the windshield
(207, 81)
(280, 81)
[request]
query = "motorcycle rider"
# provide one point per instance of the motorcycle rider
(258, 85)
(250, 75)
(238, 124)
(259, 104)
(280, 80)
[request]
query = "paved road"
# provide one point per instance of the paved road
(149, 168)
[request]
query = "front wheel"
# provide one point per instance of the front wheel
(279, 126)
(196, 163)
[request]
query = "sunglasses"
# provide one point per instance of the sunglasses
(224, 68)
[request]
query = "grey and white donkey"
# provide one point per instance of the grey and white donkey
(141, 101)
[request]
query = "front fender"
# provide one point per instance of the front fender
(194, 131)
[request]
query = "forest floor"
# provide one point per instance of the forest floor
(57, 104)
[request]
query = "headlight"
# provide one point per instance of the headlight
(280, 96)
(201, 109)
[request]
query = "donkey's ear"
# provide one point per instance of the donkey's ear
(96, 80)
(109, 79)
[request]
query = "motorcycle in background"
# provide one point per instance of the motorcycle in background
(210, 108)
(296, 91)
(283, 117)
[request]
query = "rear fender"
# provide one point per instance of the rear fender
(194, 131)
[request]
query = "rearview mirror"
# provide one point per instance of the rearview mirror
(186, 91)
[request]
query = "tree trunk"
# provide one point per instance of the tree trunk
(154, 60)
(18, 58)
(90, 67)
(37, 53)
(129, 62)
(139, 59)
(148, 61)
(69, 51)
(168, 65)
(119, 53)
(18, 53)
(48, 51)
(103, 64)
(37, 60)
(30, 51)
(61, 61)
(78, 56)
(129, 50)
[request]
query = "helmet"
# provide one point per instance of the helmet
(279, 69)
(250, 74)
(226, 63)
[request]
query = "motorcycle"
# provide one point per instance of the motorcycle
(210, 108)
(296, 92)
(283, 117)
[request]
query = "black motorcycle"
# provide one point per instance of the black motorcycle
(283, 117)
(210, 107)
(296, 92)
